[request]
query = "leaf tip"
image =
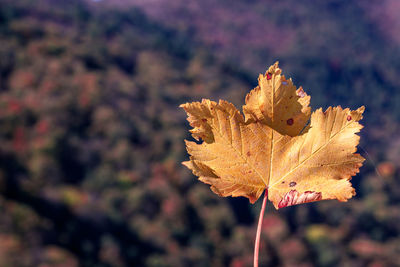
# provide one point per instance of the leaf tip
(187, 163)
(253, 199)
(361, 109)
(274, 69)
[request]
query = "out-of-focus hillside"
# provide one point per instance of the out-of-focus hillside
(91, 136)
(342, 52)
(241, 30)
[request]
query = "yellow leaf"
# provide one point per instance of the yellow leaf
(236, 162)
(318, 164)
(277, 103)
(244, 157)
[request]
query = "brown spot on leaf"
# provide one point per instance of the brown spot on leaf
(292, 184)
(248, 153)
(349, 118)
(204, 120)
(293, 198)
(269, 76)
(290, 121)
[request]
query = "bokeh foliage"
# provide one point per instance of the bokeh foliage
(91, 139)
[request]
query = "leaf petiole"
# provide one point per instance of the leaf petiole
(260, 220)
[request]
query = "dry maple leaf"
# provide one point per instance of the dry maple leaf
(277, 103)
(272, 147)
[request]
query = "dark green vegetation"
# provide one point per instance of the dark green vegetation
(91, 140)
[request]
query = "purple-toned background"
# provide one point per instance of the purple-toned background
(91, 136)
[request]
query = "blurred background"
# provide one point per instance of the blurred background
(91, 136)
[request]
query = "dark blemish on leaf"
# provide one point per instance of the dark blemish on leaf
(349, 118)
(283, 182)
(290, 121)
(293, 198)
(269, 76)
(248, 154)
(249, 171)
(292, 184)
(204, 120)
